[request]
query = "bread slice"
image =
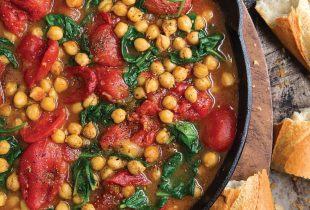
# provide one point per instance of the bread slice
(291, 153)
(290, 21)
(252, 194)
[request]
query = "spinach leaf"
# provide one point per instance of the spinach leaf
(10, 56)
(187, 133)
(100, 113)
(72, 30)
(9, 130)
(208, 45)
(90, 3)
(6, 42)
(83, 179)
(140, 5)
(171, 165)
(11, 156)
(139, 200)
(84, 43)
(180, 8)
(91, 151)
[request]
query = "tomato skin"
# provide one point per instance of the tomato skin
(203, 104)
(163, 7)
(14, 19)
(77, 94)
(31, 48)
(113, 135)
(35, 8)
(105, 46)
(108, 80)
(44, 127)
(219, 129)
(149, 108)
(41, 172)
(124, 178)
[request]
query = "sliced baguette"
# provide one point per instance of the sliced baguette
(290, 21)
(252, 194)
(291, 153)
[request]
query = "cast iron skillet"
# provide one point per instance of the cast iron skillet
(233, 13)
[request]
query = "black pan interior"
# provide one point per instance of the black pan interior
(233, 13)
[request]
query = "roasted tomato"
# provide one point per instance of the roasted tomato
(31, 48)
(83, 82)
(107, 198)
(203, 104)
(44, 127)
(111, 85)
(35, 8)
(219, 129)
(124, 178)
(113, 135)
(105, 46)
(41, 172)
(163, 7)
(14, 19)
(100, 19)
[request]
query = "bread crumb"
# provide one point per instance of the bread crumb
(278, 206)
(281, 72)
(253, 86)
(308, 200)
(255, 45)
(259, 108)
(273, 185)
(256, 63)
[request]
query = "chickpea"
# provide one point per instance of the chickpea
(74, 141)
(227, 79)
(163, 136)
(71, 47)
(65, 191)
(191, 94)
(210, 159)
(53, 94)
(135, 167)
(12, 200)
(4, 147)
(179, 43)
(74, 3)
(12, 182)
(23, 205)
(105, 6)
(48, 104)
(180, 73)
(88, 206)
(193, 38)
(115, 163)
(77, 199)
(152, 32)
(151, 154)
(202, 84)
(141, 44)
(37, 94)
(185, 23)
(197, 191)
(156, 173)
(74, 128)
(139, 93)
(141, 79)
(211, 62)
(131, 149)
(5, 110)
(10, 36)
(118, 115)
(151, 85)
(120, 29)
(169, 27)
(33, 112)
(157, 67)
(90, 131)
(91, 100)
(199, 23)
(120, 9)
(4, 60)
(62, 205)
(141, 26)
(55, 33)
(46, 84)
(200, 70)
(128, 191)
(3, 198)
(186, 53)
(4, 165)
(20, 99)
(162, 42)
(82, 59)
(61, 53)
(10, 88)
(76, 108)
(57, 68)
(169, 66)
(106, 173)
(134, 14)
(18, 122)
(129, 2)
(166, 80)
(59, 136)
(169, 102)
(166, 116)
(60, 84)
(97, 163)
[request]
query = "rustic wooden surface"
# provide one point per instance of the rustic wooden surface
(290, 89)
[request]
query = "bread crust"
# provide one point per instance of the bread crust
(253, 194)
